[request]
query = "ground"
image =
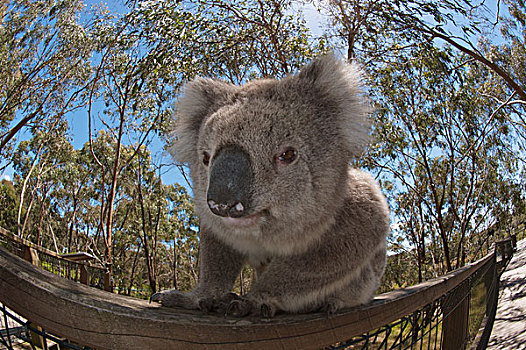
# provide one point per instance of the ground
(509, 330)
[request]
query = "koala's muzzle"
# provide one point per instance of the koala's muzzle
(230, 182)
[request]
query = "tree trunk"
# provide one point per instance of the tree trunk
(72, 223)
(147, 254)
(176, 262)
(111, 199)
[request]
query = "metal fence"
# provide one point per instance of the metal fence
(421, 329)
(17, 331)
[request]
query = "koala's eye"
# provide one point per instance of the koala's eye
(288, 156)
(206, 158)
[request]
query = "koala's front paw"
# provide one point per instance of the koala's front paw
(175, 298)
(222, 303)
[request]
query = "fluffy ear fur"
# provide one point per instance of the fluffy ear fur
(339, 82)
(202, 97)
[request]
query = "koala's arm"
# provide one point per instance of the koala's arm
(219, 266)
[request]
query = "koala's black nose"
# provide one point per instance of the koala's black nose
(230, 182)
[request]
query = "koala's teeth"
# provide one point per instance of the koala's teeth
(213, 204)
(239, 207)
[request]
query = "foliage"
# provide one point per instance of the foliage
(45, 67)
(444, 148)
(448, 132)
(510, 54)
(9, 205)
(69, 193)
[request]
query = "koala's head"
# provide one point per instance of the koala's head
(269, 159)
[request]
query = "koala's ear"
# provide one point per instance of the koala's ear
(201, 98)
(338, 83)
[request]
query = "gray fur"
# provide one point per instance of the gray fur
(314, 229)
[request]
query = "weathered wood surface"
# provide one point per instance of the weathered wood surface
(109, 321)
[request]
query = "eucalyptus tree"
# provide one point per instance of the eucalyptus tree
(45, 53)
(376, 31)
(182, 223)
(73, 196)
(9, 205)
(37, 163)
(444, 149)
(510, 53)
(231, 40)
(126, 81)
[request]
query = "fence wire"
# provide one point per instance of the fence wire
(15, 331)
(58, 266)
(419, 330)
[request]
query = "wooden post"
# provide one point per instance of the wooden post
(509, 249)
(491, 283)
(108, 287)
(84, 278)
(31, 255)
(455, 323)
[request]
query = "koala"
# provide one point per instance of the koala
(274, 188)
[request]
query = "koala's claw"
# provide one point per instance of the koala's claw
(223, 302)
(165, 298)
(267, 310)
(155, 297)
(239, 308)
(331, 307)
(228, 297)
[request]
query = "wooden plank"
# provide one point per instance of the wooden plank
(103, 320)
(455, 327)
(77, 257)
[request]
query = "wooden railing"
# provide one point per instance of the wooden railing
(454, 311)
(74, 266)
